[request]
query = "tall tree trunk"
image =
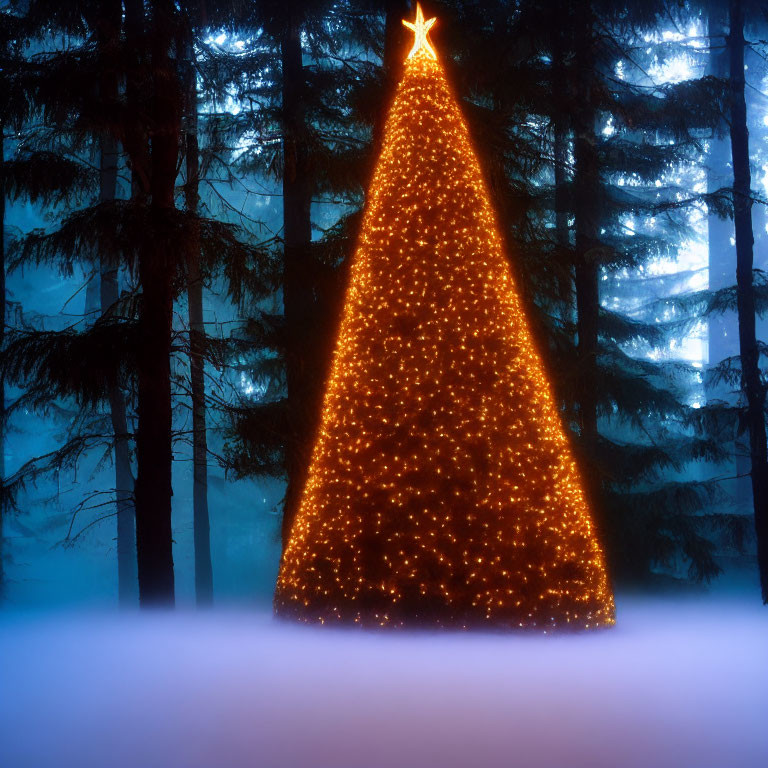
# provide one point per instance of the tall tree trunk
(560, 126)
(127, 568)
(752, 384)
(108, 29)
(395, 52)
(202, 525)
(395, 42)
(3, 491)
(754, 62)
(722, 336)
(92, 298)
(587, 223)
(560, 152)
(298, 295)
(722, 255)
(136, 137)
(154, 543)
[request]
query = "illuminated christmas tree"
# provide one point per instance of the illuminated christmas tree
(442, 490)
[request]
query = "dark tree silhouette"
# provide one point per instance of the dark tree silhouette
(197, 336)
(752, 381)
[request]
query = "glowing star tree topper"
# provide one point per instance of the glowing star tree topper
(420, 29)
(442, 490)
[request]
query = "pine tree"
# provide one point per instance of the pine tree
(147, 236)
(442, 489)
(39, 176)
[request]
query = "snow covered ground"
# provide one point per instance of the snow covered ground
(676, 683)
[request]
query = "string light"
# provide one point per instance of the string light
(442, 490)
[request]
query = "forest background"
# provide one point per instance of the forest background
(181, 190)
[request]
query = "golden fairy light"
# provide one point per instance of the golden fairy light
(442, 490)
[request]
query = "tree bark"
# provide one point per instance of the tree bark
(395, 42)
(722, 255)
(560, 127)
(298, 295)
(136, 136)
(154, 542)
(587, 224)
(752, 385)
(395, 51)
(108, 29)
(393, 55)
(722, 335)
(202, 525)
(3, 491)
(560, 151)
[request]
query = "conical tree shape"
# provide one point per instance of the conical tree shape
(442, 490)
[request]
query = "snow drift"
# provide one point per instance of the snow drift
(681, 684)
